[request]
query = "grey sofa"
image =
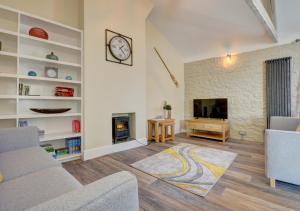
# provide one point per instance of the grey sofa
(282, 150)
(34, 181)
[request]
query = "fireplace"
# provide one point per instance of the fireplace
(120, 128)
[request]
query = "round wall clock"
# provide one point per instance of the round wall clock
(119, 48)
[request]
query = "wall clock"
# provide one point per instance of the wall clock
(51, 72)
(118, 48)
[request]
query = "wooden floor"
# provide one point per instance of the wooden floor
(243, 187)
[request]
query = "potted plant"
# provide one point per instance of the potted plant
(167, 110)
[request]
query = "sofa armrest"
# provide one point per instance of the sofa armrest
(282, 155)
(18, 138)
(284, 123)
(113, 193)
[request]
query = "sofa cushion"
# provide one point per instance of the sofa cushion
(38, 187)
(18, 138)
(25, 161)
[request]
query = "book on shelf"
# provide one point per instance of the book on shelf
(73, 145)
(24, 89)
(64, 91)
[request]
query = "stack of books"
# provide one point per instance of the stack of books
(64, 91)
(73, 145)
(24, 89)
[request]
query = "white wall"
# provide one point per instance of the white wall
(243, 82)
(109, 87)
(160, 87)
(68, 12)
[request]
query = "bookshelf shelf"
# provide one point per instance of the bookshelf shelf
(48, 79)
(49, 61)
(8, 116)
(34, 116)
(4, 31)
(24, 36)
(58, 136)
(67, 158)
(48, 98)
(8, 97)
(7, 75)
(23, 53)
(4, 53)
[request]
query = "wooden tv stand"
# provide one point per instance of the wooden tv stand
(208, 128)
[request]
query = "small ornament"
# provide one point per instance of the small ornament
(69, 77)
(32, 73)
(52, 56)
(51, 72)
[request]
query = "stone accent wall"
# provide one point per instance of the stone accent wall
(243, 82)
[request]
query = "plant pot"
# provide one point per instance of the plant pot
(167, 114)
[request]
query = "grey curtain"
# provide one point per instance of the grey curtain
(278, 88)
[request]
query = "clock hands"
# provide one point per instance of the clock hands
(122, 49)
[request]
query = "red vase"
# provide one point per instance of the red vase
(76, 126)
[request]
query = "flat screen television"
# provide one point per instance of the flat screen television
(211, 108)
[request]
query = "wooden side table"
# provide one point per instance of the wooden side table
(153, 129)
(165, 136)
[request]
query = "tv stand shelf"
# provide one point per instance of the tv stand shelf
(208, 128)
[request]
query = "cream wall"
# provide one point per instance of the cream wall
(160, 87)
(68, 12)
(243, 83)
(109, 87)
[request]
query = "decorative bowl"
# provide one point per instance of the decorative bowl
(50, 110)
(32, 73)
(38, 32)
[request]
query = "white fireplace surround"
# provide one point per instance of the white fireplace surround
(108, 149)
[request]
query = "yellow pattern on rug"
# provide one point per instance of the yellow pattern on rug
(217, 171)
(177, 156)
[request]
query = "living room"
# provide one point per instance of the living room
(149, 105)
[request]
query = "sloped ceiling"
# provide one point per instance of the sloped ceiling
(201, 29)
(288, 19)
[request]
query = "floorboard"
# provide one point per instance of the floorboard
(243, 187)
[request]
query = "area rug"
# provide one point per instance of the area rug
(190, 167)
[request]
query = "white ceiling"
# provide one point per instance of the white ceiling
(201, 29)
(288, 19)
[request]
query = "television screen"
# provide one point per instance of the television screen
(210, 108)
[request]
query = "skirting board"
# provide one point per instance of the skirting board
(105, 150)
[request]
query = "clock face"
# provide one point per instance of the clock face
(51, 73)
(119, 48)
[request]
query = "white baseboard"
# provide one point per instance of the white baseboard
(105, 150)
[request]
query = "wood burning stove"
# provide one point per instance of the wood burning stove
(120, 128)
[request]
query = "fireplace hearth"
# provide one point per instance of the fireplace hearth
(120, 128)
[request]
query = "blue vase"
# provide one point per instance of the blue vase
(32, 73)
(69, 77)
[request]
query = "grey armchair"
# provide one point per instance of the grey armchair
(282, 150)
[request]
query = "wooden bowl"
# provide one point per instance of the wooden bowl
(38, 32)
(50, 111)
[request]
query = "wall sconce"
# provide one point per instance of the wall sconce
(228, 58)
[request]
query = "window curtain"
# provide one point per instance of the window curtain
(278, 88)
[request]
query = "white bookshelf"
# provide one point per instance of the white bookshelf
(22, 53)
